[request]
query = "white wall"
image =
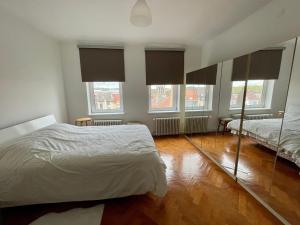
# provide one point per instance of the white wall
(294, 90)
(31, 83)
(278, 21)
(135, 90)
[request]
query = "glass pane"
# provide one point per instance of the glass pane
(226, 138)
(284, 194)
(162, 97)
(237, 94)
(106, 96)
(197, 97)
(208, 127)
(262, 146)
(255, 94)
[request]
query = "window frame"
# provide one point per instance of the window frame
(208, 101)
(91, 105)
(266, 86)
(176, 96)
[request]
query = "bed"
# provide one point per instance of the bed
(42, 161)
(267, 133)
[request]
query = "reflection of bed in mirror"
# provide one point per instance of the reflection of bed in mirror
(267, 132)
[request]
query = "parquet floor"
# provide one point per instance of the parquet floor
(198, 193)
(280, 188)
(222, 148)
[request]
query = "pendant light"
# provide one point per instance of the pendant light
(141, 14)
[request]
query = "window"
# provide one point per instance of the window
(105, 97)
(198, 97)
(256, 94)
(163, 98)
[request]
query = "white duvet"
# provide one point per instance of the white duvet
(67, 163)
(269, 130)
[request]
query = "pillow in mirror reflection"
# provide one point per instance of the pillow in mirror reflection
(293, 109)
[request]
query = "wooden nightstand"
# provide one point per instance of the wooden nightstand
(280, 114)
(84, 121)
(223, 122)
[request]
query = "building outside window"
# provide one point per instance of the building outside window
(256, 94)
(198, 97)
(163, 98)
(105, 97)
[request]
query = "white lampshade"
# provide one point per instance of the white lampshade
(141, 14)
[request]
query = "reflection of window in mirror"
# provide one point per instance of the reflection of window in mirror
(198, 97)
(259, 94)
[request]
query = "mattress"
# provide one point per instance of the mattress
(62, 163)
(269, 130)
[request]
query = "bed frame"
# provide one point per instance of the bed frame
(21, 129)
(262, 141)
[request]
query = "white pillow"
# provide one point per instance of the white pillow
(293, 109)
(292, 113)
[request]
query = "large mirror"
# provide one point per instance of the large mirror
(214, 138)
(284, 195)
(250, 123)
(263, 142)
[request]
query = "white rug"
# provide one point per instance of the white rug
(77, 216)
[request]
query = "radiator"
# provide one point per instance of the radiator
(107, 122)
(259, 116)
(196, 124)
(254, 116)
(166, 126)
(236, 116)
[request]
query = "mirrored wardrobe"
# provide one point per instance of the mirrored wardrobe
(252, 130)
(260, 140)
(215, 139)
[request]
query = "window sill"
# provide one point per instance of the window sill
(205, 110)
(160, 112)
(249, 109)
(103, 114)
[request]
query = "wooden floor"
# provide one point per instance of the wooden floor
(199, 193)
(280, 188)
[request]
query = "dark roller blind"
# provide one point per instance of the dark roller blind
(102, 64)
(164, 67)
(207, 75)
(265, 65)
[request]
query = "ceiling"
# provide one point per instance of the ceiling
(186, 22)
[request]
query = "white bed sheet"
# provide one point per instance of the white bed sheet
(67, 163)
(269, 130)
